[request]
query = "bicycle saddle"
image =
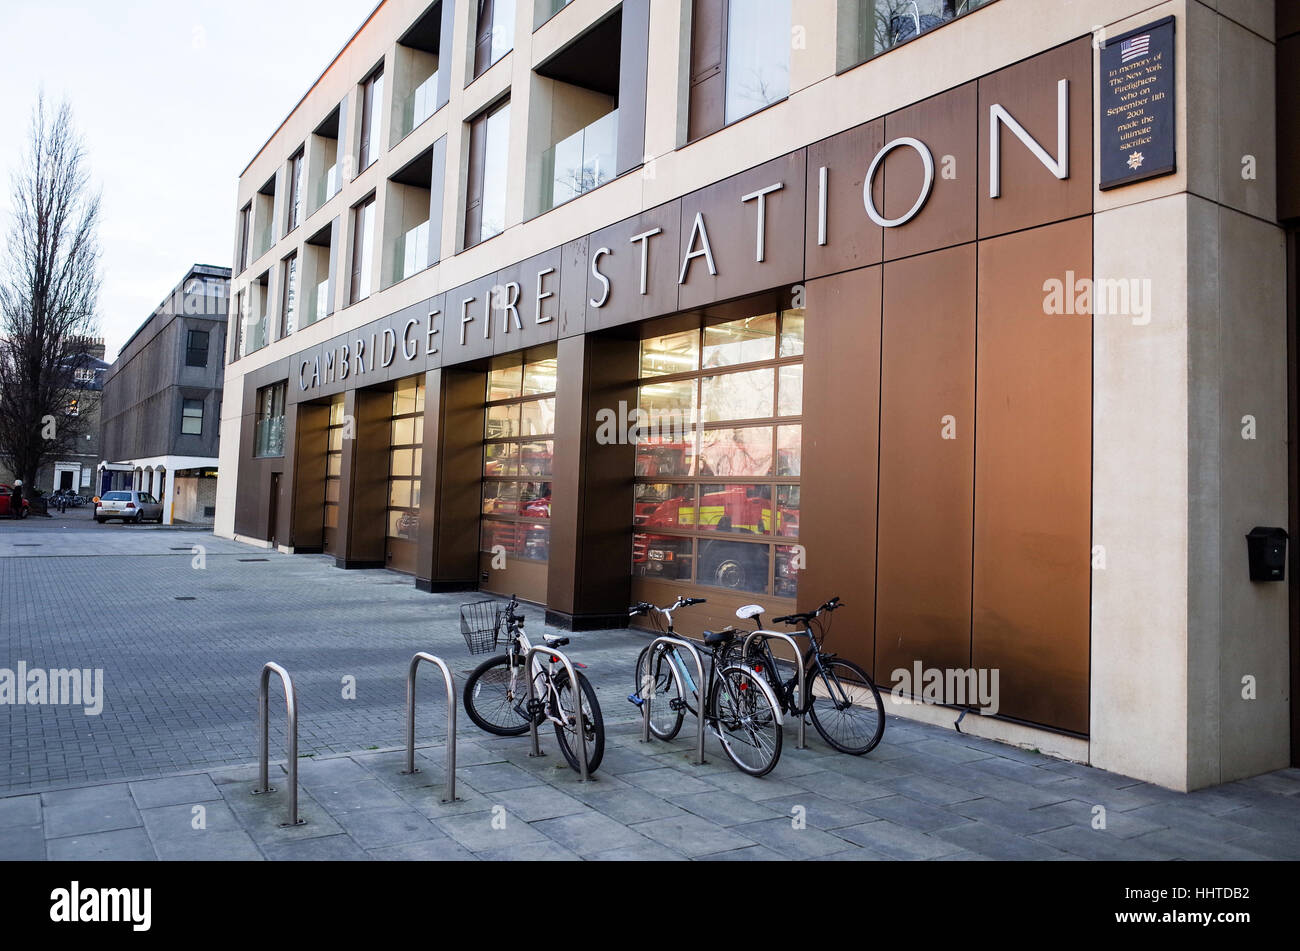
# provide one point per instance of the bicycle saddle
(721, 637)
(554, 642)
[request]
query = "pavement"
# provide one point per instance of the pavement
(180, 623)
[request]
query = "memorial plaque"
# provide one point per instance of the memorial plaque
(1137, 105)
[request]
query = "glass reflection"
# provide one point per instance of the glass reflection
(741, 451)
(736, 508)
(743, 395)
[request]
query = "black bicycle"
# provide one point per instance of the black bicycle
(738, 706)
(842, 700)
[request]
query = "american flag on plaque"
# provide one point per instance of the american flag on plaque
(1134, 47)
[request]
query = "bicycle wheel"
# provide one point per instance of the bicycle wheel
(489, 700)
(747, 722)
(846, 707)
(660, 688)
(593, 723)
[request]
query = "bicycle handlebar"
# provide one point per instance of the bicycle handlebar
(645, 607)
(805, 616)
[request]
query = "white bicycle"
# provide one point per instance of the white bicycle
(496, 693)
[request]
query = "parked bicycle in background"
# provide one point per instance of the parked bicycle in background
(842, 700)
(737, 705)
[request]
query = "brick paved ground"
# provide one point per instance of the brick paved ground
(178, 731)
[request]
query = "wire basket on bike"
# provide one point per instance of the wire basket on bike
(480, 622)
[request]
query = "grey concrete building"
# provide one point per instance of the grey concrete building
(162, 400)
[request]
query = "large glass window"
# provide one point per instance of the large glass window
(758, 55)
(333, 474)
(519, 442)
(405, 462)
(870, 27)
(289, 296)
(493, 162)
(718, 455)
(268, 433)
(295, 191)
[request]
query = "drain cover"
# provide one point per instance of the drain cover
(26, 545)
(183, 598)
(254, 559)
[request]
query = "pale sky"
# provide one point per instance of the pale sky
(173, 98)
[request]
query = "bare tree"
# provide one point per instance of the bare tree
(49, 285)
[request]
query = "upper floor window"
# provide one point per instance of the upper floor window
(268, 432)
(323, 169)
(495, 36)
(740, 60)
(196, 348)
(84, 375)
(415, 73)
(372, 97)
(245, 234)
(869, 27)
(295, 191)
(192, 417)
(485, 199)
(363, 248)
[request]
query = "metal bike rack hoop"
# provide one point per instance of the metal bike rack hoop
(291, 727)
(798, 664)
(577, 692)
(450, 795)
(700, 687)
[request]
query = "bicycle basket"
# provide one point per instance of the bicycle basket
(480, 622)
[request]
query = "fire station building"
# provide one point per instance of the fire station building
(975, 314)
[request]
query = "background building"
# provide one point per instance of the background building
(842, 255)
(162, 400)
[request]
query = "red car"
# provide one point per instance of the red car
(7, 503)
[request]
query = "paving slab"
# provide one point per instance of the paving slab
(590, 832)
(120, 845)
(692, 835)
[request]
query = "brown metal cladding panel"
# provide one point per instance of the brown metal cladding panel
(1288, 19)
(948, 125)
(527, 579)
(852, 239)
(591, 507)
(841, 411)
(1288, 126)
(573, 288)
(1033, 478)
(430, 473)
(476, 343)
(622, 267)
(708, 89)
(733, 233)
(1031, 194)
(923, 572)
(367, 490)
(506, 336)
(284, 509)
(309, 475)
(459, 488)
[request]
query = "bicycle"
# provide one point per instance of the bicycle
(496, 693)
(739, 707)
(843, 701)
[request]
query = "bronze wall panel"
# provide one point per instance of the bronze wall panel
(718, 611)
(1031, 194)
(507, 336)
(1288, 125)
(591, 502)
(253, 481)
(852, 239)
(365, 478)
(458, 490)
(841, 412)
(733, 233)
(622, 268)
(923, 557)
(949, 126)
(1033, 478)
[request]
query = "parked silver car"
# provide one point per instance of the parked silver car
(129, 507)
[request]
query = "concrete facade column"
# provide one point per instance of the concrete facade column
(169, 496)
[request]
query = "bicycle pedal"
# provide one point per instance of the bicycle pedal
(634, 699)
